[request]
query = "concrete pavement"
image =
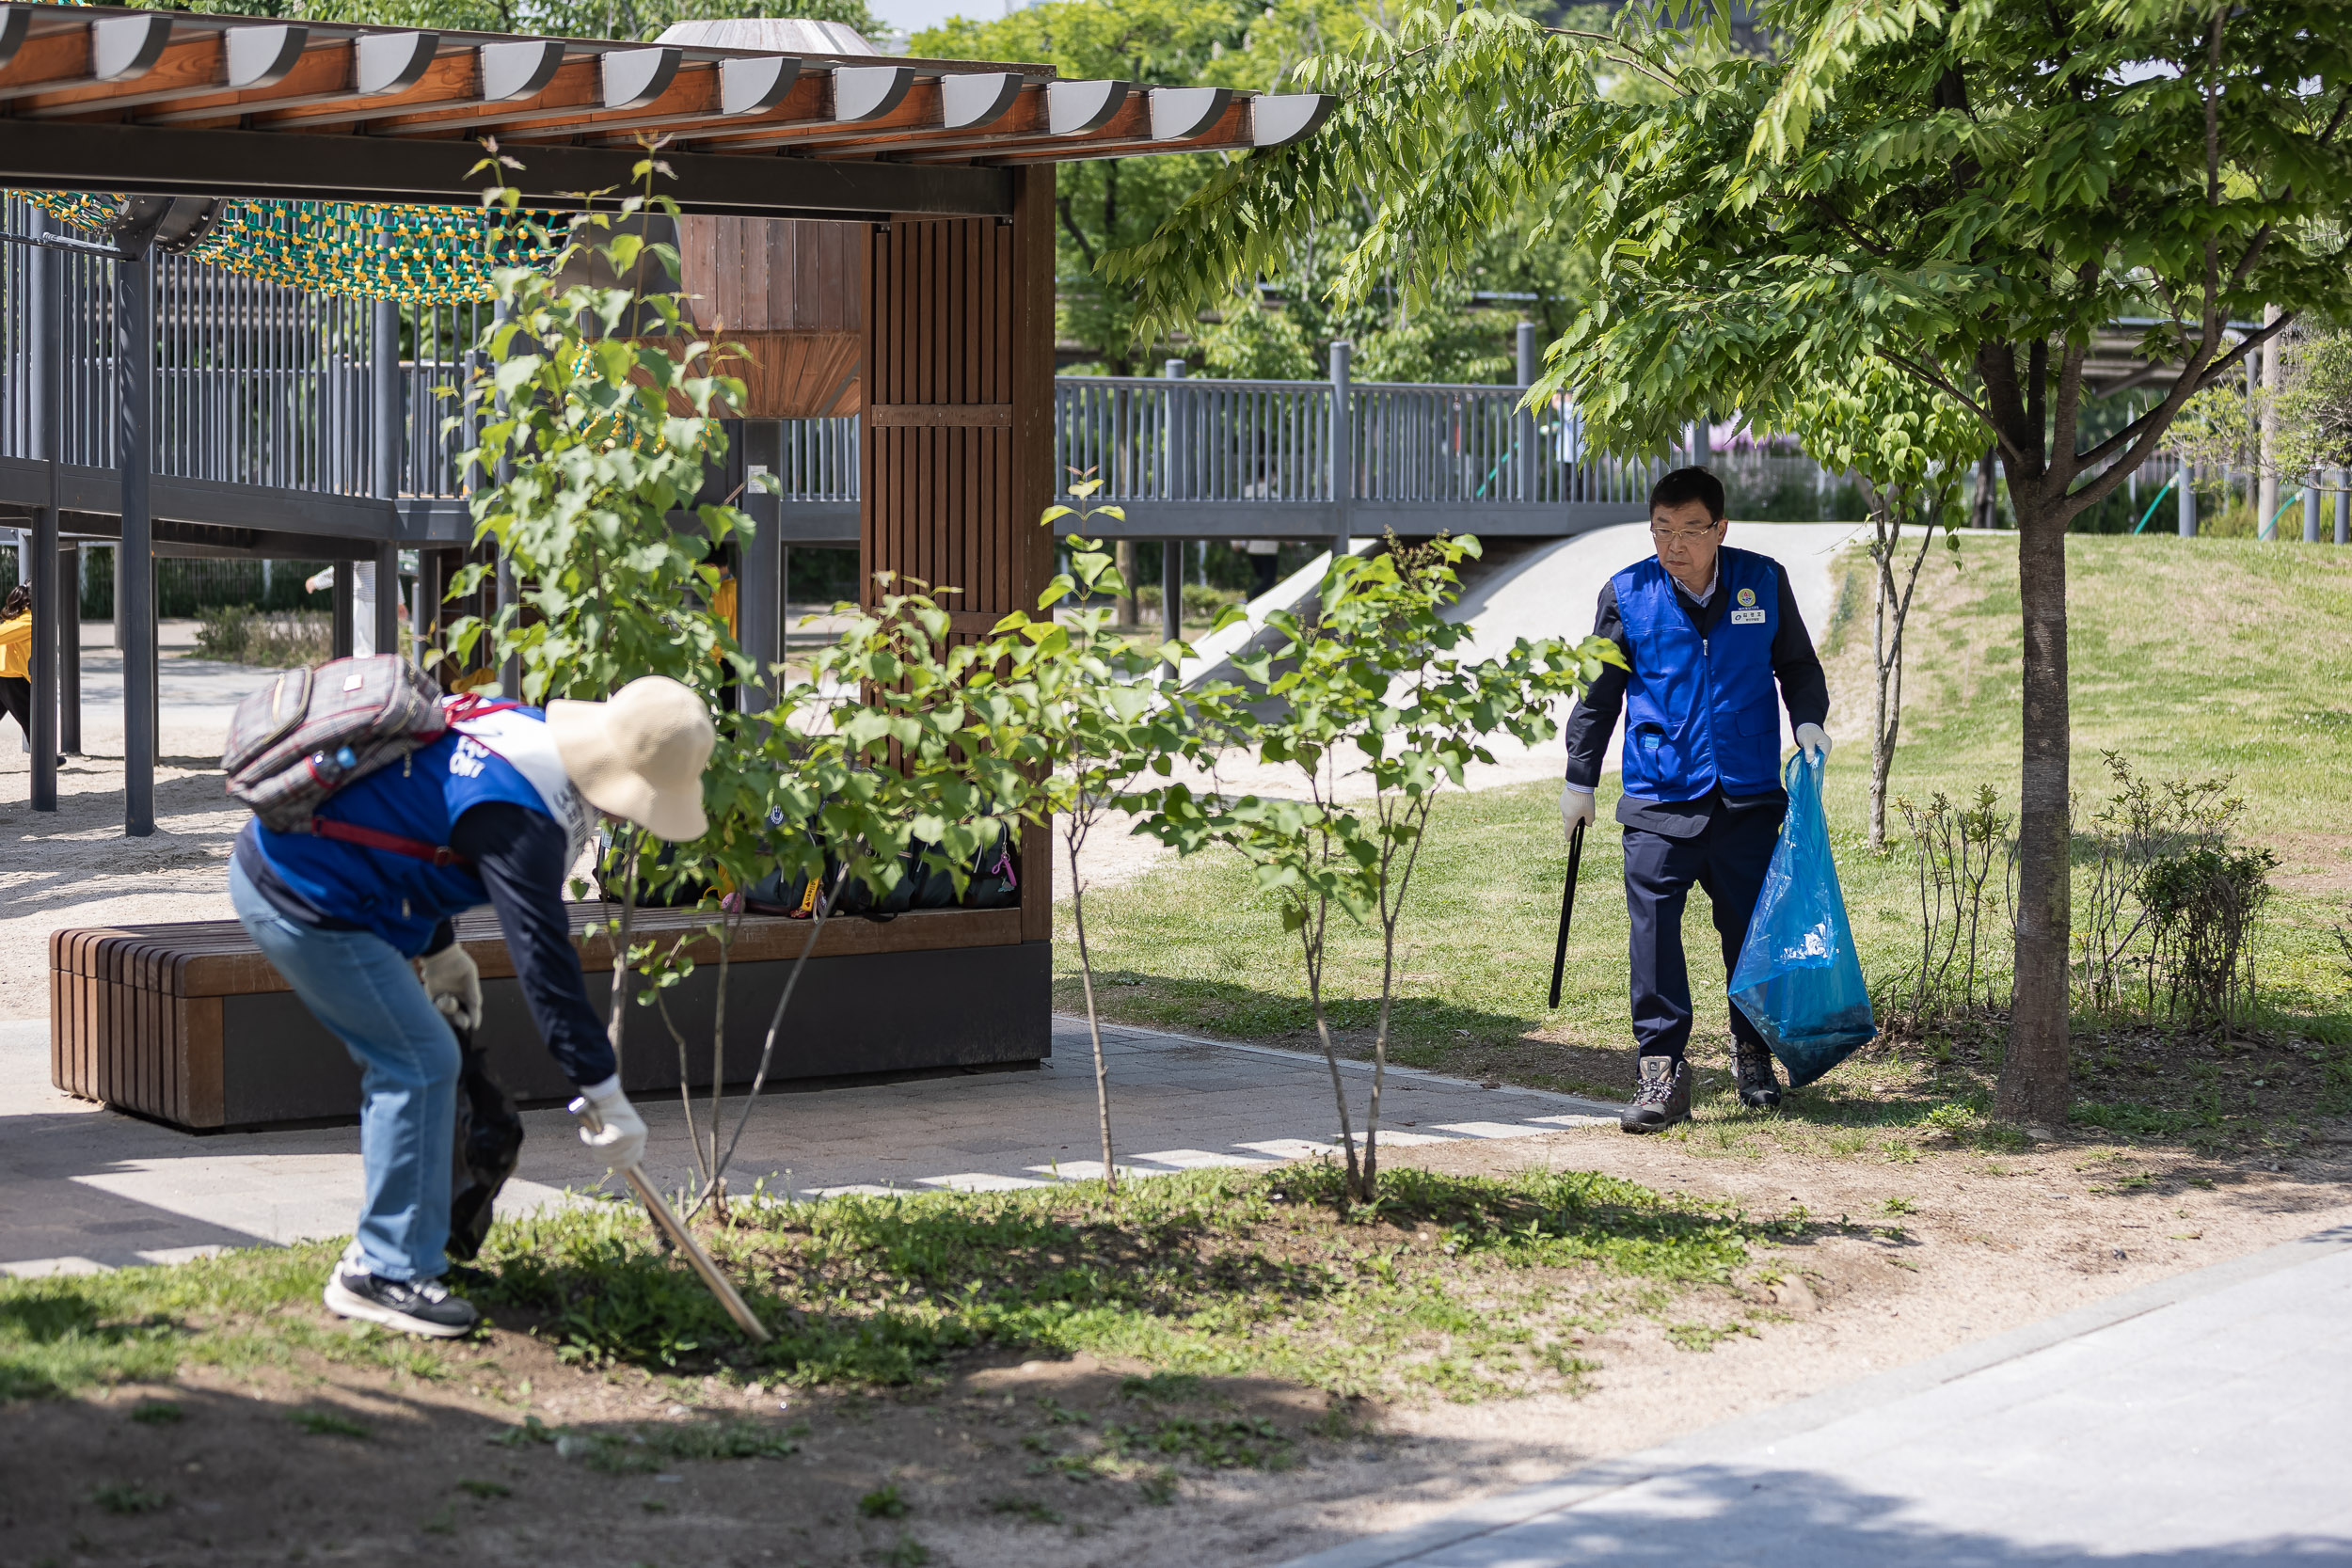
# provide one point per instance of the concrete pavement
(83, 1188)
(2203, 1419)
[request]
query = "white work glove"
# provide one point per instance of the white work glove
(611, 1124)
(1812, 738)
(1576, 809)
(454, 984)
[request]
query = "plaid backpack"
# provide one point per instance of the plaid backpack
(311, 731)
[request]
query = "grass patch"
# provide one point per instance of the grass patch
(124, 1498)
(1462, 1287)
(884, 1502)
(2174, 653)
(328, 1423)
(1029, 1510)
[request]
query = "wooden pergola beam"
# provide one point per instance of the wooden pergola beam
(186, 103)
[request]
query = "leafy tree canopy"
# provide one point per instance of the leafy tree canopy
(585, 18)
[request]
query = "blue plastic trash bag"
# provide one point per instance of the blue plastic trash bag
(1799, 980)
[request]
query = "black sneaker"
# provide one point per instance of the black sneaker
(1759, 1087)
(413, 1306)
(1662, 1098)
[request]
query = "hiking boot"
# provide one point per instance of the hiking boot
(1759, 1087)
(413, 1306)
(1662, 1098)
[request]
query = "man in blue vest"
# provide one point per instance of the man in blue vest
(356, 912)
(1706, 631)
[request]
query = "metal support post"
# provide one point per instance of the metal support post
(135, 557)
(343, 599)
(1342, 461)
(39, 554)
(504, 594)
(422, 595)
(2311, 507)
(759, 593)
(2185, 499)
(70, 567)
(1523, 419)
(2344, 506)
(385, 448)
(386, 631)
(1176, 484)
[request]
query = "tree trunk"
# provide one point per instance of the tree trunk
(2033, 1086)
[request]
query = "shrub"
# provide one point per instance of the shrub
(275, 639)
(2204, 906)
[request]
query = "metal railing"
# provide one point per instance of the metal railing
(261, 385)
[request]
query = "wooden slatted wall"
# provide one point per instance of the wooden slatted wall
(958, 424)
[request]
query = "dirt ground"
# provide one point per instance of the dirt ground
(1008, 1465)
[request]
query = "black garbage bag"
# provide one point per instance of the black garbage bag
(488, 1145)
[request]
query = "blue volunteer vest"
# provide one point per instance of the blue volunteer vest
(1701, 711)
(400, 897)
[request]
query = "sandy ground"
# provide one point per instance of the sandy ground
(1982, 1244)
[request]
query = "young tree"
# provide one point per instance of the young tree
(597, 439)
(1911, 445)
(1370, 706)
(1102, 714)
(1966, 190)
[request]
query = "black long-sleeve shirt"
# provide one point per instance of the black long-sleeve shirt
(1803, 689)
(519, 856)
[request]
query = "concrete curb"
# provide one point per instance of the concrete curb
(1727, 1440)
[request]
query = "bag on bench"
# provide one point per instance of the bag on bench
(311, 731)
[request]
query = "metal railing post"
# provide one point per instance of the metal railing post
(72, 562)
(134, 556)
(1176, 484)
(2184, 497)
(1342, 462)
(1523, 421)
(759, 594)
(40, 554)
(386, 453)
(2311, 507)
(2344, 506)
(506, 596)
(344, 642)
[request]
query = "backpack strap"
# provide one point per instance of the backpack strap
(369, 838)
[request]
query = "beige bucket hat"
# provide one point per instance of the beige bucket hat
(640, 755)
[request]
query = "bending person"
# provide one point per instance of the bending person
(506, 797)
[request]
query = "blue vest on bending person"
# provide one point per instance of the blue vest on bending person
(402, 898)
(1701, 711)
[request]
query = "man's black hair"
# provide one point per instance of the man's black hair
(1684, 485)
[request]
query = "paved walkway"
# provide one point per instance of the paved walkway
(83, 1188)
(2203, 1419)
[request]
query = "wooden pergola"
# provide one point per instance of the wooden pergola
(944, 169)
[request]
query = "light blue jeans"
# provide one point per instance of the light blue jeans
(360, 987)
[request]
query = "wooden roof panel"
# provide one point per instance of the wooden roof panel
(366, 90)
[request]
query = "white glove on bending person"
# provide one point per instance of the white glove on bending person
(454, 983)
(1812, 739)
(1576, 809)
(615, 1130)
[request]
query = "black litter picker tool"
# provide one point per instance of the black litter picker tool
(675, 1232)
(1568, 908)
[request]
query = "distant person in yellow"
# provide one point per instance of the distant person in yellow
(16, 659)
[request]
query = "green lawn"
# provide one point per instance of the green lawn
(1460, 1286)
(2194, 658)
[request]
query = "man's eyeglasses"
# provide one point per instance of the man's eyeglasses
(1682, 536)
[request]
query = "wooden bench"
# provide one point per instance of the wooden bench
(189, 1024)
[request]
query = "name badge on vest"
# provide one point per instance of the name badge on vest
(1747, 612)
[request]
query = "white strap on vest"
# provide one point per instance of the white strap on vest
(524, 743)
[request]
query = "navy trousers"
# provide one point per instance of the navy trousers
(1726, 858)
